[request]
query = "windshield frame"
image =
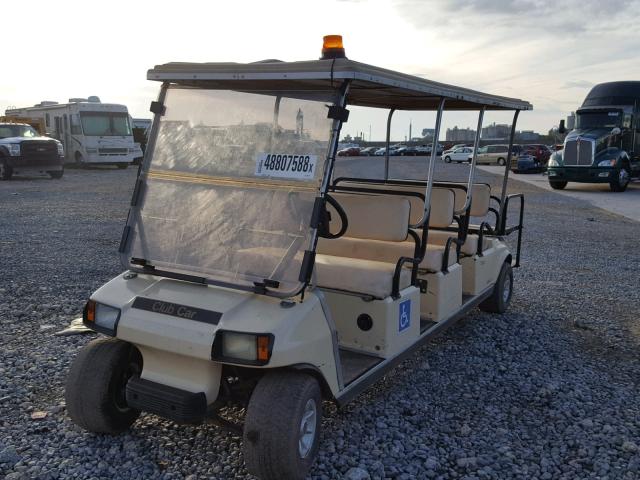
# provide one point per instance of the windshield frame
(266, 287)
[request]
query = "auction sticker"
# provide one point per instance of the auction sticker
(283, 165)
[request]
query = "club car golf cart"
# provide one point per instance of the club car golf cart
(254, 276)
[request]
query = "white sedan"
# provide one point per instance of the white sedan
(458, 155)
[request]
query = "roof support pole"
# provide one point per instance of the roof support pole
(507, 166)
(432, 163)
(386, 153)
(472, 171)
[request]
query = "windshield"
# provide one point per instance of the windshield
(8, 131)
(586, 120)
(231, 185)
(105, 124)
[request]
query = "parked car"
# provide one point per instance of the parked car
(383, 151)
(408, 151)
(368, 151)
(23, 150)
(525, 162)
(349, 152)
(540, 152)
(454, 147)
(458, 155)
(492, 154)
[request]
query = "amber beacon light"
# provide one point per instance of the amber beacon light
(332, 47)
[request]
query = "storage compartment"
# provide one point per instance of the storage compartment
(444, 294)
(380, 327)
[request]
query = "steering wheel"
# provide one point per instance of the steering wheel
(324, 231)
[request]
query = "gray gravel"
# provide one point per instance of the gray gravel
(548, 390)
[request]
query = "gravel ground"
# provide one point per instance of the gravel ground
(548, 390)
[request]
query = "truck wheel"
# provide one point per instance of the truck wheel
(502, 162)
(447, 159)
(557, 185)
(56, 174)
(6, 171)
(96, 383)
(621, 180)
(282, 426)
(500, 298)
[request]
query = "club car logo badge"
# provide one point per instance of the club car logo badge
(176, 310)
(404, 315)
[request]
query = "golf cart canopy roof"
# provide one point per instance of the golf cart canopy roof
(370, 87)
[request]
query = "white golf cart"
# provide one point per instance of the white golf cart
(255, 276)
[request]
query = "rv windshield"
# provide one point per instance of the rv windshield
(105, 124)
(231, 184)
(586, 120)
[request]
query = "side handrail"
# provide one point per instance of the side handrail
(415, 261)
(507, 231)
(484, 227)
(447, 248)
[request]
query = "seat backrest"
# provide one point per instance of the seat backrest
(376, 217)
(480, 199)
(442, 201)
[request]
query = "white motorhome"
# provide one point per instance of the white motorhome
(91, 132)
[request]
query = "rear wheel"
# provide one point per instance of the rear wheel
(500, 298)
(6, 171)
(557, 184)
(282, 426)
(56, 174)
(96, 384)
(620, 180)
(447, 159)
(502, 162)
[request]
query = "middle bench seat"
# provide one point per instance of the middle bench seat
(364, 259)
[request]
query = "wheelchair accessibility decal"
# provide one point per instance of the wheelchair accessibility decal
(404, 317)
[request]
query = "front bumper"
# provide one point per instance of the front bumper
(581, 174)
(41, 164)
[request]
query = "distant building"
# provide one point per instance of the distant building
(571, 121)
(428, 132)
(496, 131)
(456, 134)
(528, 136)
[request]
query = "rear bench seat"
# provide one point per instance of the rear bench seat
(480, 200)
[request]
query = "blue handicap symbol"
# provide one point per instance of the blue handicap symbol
(404, 318)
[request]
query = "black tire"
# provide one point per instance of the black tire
(447, 159)
(273, 425)
(621, 179)
(95, 388)
(502, 162)
(500, 298)
(558, 184)
(122, 166)
(56, 174)
(6, 171)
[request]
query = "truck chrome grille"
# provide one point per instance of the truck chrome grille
(39, 150)
(579, 152)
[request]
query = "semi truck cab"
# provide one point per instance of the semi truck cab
(604, 147)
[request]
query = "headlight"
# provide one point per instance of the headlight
(247, 348)
(607, 163)
(60, 149)
(553, 162)
(14, 149)
(101, 318)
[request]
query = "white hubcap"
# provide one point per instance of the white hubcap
(307, 428)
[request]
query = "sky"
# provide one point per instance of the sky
(547, 52)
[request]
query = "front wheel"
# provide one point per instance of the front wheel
(620, 180)
(282, 426)
(500, 298)
(502, 162)
(6, 171)
(557, 184)
(447, 159)
(96, 385)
